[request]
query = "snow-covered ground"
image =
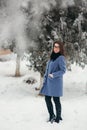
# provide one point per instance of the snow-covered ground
(22, 109)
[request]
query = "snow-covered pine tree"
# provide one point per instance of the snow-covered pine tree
(62, 24)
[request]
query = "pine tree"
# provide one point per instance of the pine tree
(67, 25)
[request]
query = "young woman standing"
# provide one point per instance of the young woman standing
(53, 81)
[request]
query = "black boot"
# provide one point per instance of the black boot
(50, 108)
(57, 120)
(52, 118)
(58, 109)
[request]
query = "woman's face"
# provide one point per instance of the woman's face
(56, 48)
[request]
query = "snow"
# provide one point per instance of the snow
(22, 109)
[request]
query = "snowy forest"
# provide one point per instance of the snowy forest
(27, 26)
(28, 29)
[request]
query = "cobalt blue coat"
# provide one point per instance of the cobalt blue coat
(54, 86)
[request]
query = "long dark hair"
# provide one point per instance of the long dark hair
(61, 45)
(54, 55)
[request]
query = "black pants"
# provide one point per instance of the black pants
(49, 105)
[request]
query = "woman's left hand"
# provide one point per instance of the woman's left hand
(51, 75)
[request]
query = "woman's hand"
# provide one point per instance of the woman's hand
(50, 75)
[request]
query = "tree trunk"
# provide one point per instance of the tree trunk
(41, 81)
(17, 72)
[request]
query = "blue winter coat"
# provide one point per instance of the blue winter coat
(54, 86)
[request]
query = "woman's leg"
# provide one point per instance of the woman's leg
(58, 108)
(49, 107)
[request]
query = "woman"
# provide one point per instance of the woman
(53, 81)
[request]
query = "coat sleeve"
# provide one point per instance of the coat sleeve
(62, 67)
(46, 73)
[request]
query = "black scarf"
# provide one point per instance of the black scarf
(54, 56)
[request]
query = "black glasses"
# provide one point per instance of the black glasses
(56, 46)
